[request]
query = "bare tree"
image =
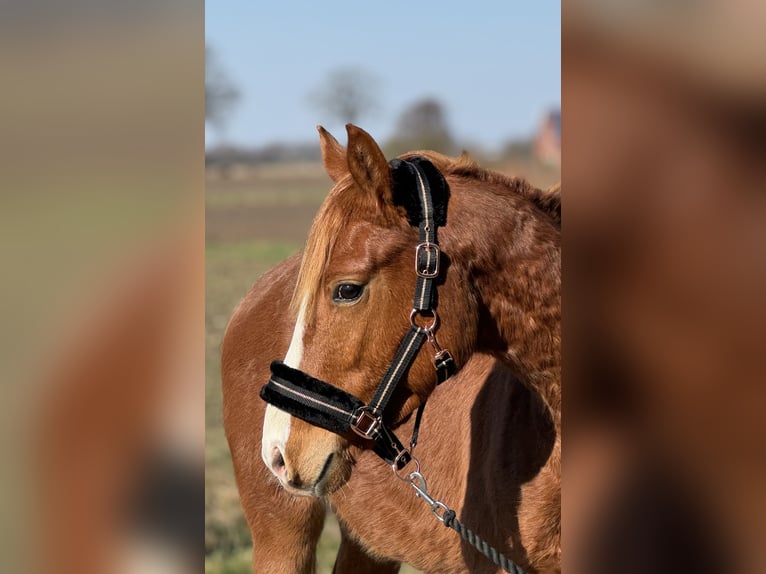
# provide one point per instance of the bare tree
(221, 95)
(348, 94)
(423, 125)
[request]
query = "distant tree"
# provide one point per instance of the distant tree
(221, 95)
(423, 125)
(347, 95)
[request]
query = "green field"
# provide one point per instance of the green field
(255, 219)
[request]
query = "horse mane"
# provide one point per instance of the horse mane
(331, 218)
(549, 201)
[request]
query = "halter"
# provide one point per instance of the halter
(335, 410)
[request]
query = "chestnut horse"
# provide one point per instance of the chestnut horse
(499, 295)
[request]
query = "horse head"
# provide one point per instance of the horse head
(353, 301)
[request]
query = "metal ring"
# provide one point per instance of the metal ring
(428, 328)
(398, 470)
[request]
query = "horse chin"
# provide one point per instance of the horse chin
(331, 479)
(337, 476)
(299, 491)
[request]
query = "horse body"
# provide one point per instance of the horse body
(500, 295)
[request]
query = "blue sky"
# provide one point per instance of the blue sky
(496, 66)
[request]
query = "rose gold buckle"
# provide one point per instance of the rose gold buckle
(366, 424)
(431, 271)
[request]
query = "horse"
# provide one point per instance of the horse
(337, 311)
(483, 442)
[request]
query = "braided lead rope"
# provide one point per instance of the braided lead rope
(474, 540)
(447, 516)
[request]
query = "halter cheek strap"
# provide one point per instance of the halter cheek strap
(335, 410)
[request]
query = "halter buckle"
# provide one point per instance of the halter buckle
(427, 257)
(444, 365)
(366, 424)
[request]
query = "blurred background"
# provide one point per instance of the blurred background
(487, 81)
(102, 305)
(664, 271)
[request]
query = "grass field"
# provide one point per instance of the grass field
(254, 220)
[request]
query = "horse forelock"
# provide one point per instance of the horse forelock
(329, 223)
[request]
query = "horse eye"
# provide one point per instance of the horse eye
(347, 292)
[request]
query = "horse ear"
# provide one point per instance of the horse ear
(367, 164)
(333, 155)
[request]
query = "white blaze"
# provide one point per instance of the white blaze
(276, 423)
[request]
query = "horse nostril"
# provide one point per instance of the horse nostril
(277, 460)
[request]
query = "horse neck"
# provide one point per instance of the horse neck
(512, 251)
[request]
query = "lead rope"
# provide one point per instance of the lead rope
(444, 513)
(447, 516)
(468, 535)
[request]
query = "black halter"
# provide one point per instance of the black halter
(335, 410)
